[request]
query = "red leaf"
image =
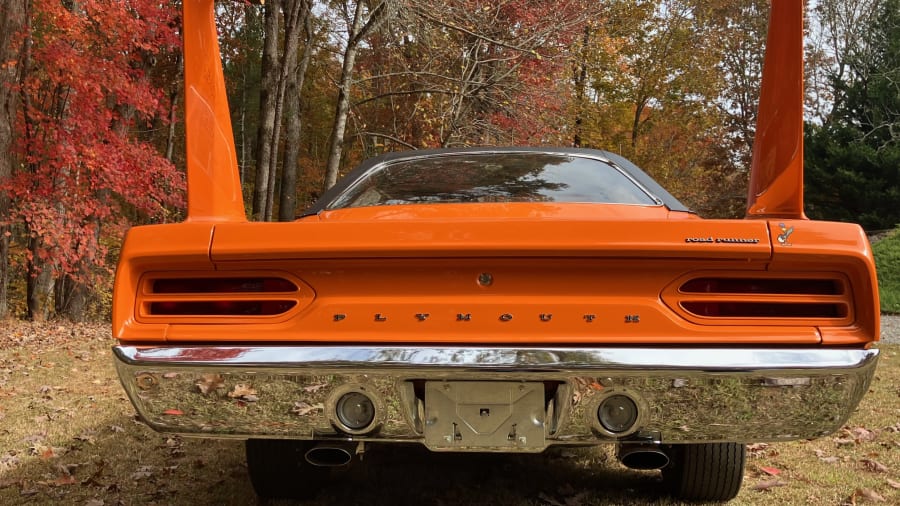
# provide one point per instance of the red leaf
(174, 412)
(770, 471)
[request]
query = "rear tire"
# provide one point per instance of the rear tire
(706, 471)
(278, 469)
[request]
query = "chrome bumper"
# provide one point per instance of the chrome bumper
(683, 395)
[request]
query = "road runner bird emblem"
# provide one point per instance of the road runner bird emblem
(785, 235)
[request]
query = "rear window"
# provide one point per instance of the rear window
(493, 177)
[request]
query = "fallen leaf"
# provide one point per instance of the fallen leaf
(314, 388)
(62, 481)
(861, 434)
(766, 485)
(209, 383)
(87, 438)
(95, 502)
(302, 409)
(874, 466)
(893, 484)
(142, 472)
(44, 452)
(866, 494)
(243, 391)
(757, 449)
(770, 471)
(174, 412)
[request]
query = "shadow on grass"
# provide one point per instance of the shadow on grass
(120, 461)
(413, 475)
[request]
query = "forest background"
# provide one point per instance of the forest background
(91, 119)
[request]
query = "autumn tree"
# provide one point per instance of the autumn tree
(653, 83)
(83, 165)
(740, 29)
(468, 73)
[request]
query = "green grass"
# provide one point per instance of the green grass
(887, 260)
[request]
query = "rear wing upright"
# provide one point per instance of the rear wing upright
(214, 185)
(776, 171)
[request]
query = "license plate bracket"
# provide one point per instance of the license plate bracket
(484, 416)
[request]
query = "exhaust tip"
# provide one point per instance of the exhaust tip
(328, 456)
(642, 456)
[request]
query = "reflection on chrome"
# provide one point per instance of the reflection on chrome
(685, 395)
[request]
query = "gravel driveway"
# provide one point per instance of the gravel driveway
(890, 329)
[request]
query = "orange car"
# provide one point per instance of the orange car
(498, 300)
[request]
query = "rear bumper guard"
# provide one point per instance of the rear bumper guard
(683, 395)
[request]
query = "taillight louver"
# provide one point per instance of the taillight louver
(217, 297)
(732, 299)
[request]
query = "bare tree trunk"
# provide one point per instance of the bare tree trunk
(360, 24)
(295, 13)
(336, 141)
(580, 81)
(287, 207)
(173, 110)
(12, 20)
(39, 289)
(72, 298)
(267, 118)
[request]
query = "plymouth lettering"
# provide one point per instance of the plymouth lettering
(467, 317)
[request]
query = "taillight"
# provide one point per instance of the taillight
(222, 308)
(208, 297)
(762, 298)
(772, 286)
(226, 285)
(765, 310)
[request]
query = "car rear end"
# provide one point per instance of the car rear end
(657, 333)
